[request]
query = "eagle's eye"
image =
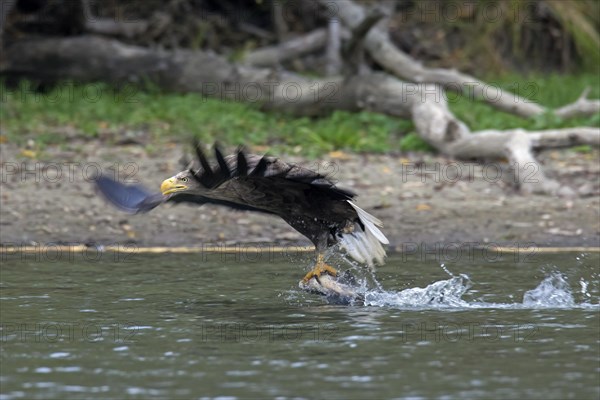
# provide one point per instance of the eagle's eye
(184, 179)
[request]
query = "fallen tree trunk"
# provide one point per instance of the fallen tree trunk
(91, 58)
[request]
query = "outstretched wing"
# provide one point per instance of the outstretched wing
(129, 198)
(136, 199)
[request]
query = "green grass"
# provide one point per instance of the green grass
(94, 109)
(90, 109)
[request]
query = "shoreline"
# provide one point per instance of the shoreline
(419, 197)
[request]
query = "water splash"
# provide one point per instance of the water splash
(446, 270)
(553, 291)
(446, 293)
(584, 288)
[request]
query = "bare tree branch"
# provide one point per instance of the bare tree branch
(255, 31)
(333, 49)
(359, 32)
(279, 21)
(127, 29)
(440, 128)
(274, 55)
(566, 137)
(581, 107)
(400, 64)
(353, 51)
(110, 27)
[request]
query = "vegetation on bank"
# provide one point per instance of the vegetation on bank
(100, 111)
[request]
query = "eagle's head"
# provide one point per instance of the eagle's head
(180, 183)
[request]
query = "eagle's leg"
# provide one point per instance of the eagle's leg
(319, 269)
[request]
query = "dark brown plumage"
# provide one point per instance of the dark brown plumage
(308, 201)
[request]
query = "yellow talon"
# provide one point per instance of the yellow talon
(319, 269)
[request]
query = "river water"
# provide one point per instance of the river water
(230, 326)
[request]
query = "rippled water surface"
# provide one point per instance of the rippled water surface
(191, 326)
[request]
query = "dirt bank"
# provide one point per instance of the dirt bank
(47, 197)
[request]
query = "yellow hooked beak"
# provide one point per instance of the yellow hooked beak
(171, 186)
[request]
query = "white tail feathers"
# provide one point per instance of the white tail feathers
(365, 246)
(371, 223)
